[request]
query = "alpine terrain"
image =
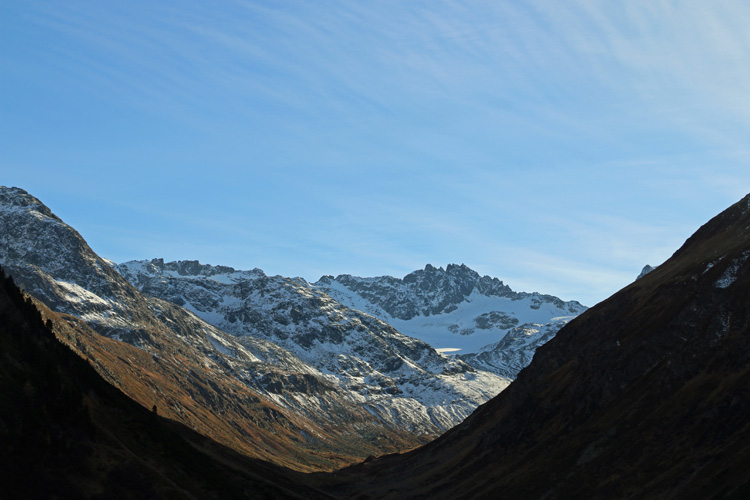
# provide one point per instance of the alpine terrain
(66, 433)
(400, 380)
(269, 365)
(252, 395)
(645, 395)
(456, 310)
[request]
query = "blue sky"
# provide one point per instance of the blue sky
(559, 146)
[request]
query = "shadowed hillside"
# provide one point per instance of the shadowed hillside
(66, 433)
(646, 395)
(247, 393)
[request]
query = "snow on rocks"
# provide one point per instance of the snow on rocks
(371, 361)
(459, 312)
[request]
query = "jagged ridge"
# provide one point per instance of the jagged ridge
(398, 379)
(483, 320)
(644, 395)
(314, 424)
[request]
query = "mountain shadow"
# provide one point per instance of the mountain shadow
(243, 391)
(646, 395)
(66, 433)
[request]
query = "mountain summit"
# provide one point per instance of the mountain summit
(248, 393)
(268, 365)
(644, 395)
(479, 318)
(400, 380)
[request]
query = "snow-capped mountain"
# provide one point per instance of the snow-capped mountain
(331, 384)
(644, 396)
(399, 379)
(646, 269)
(252, 395)
(456, 310)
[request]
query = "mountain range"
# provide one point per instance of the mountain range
(252, 395)
(644, 395)
(67, 433)
(276, 367)
(400, 380)
(481, 319)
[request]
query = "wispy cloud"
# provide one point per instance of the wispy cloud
(572, 139)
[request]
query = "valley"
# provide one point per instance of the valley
(276, 367)
(282, 388)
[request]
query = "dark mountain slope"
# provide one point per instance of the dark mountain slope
(66, 433)
(646, 395)
(248, 393)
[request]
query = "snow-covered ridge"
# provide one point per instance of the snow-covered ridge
(456, 310)
(646, 269)
(280, 337)
(187, 269)
(433, 291)
(395, 376)
(294, 342)
(17, 200)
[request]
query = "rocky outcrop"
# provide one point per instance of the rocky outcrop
(479, 318)
(433, 291)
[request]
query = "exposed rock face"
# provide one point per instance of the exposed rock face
(643, 396)
(515, 351)
(483, 320)
(252, 395)
(51, 261)
(329, 384)
(400, 380)
(434, 291)
(646, 269)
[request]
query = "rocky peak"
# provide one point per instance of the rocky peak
(36, 245)
(13, 198)
(181, 267)
(140, 271)
(641, 396)
(646, 269)
(432, 290)
(195, 268)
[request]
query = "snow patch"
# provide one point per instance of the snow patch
(730, 273)
(78, 295)
(221, 347)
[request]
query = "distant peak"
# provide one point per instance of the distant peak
(646, 269)
(184, 268)
(194, 268)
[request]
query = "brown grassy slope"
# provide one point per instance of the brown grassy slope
(646, 395)
(66, 433)
(177, 367)
(219, 407)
